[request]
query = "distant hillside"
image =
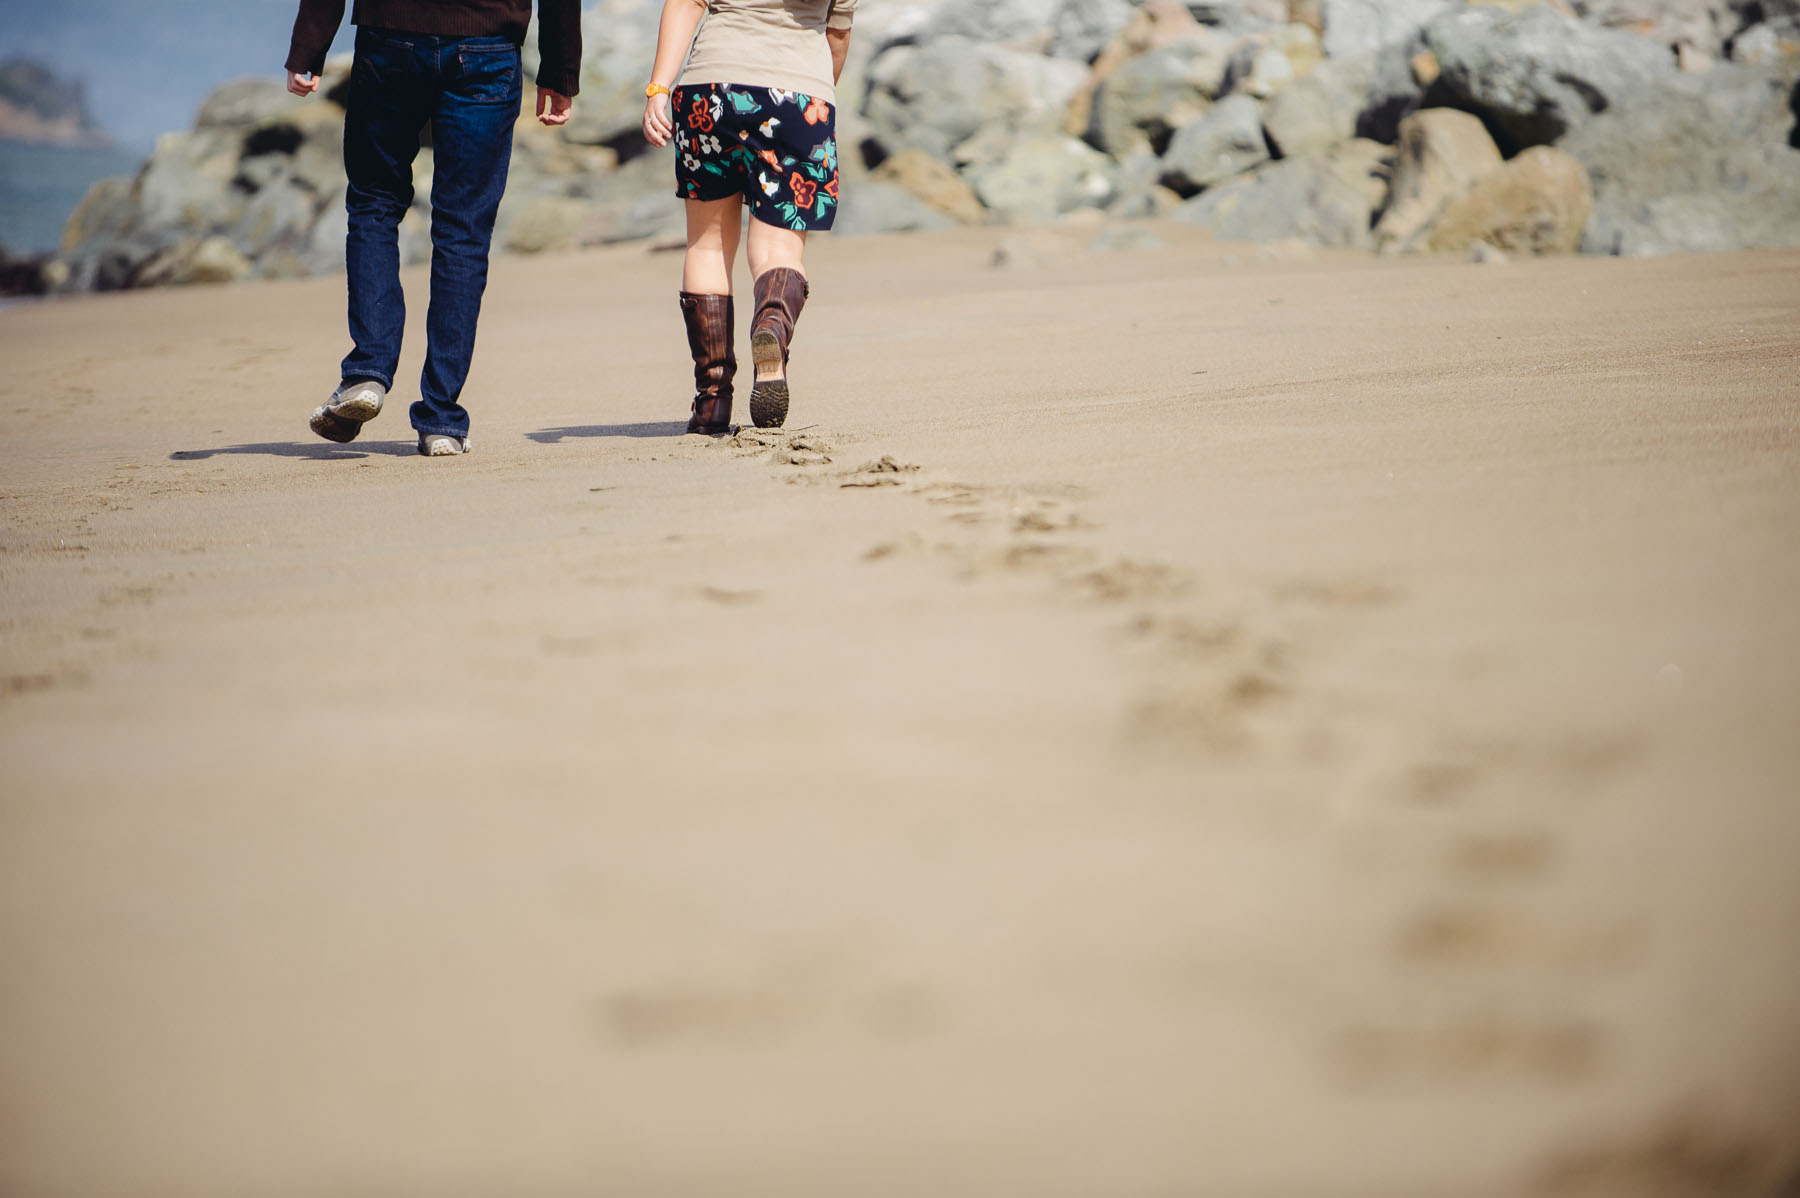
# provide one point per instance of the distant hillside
(37, 105)
(147, 66)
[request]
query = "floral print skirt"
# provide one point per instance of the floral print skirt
(776, 148)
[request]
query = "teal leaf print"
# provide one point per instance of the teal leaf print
(743, 103)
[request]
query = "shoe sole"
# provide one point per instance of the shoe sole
(463, 445)
(343, 419)
(360, 407)
(768, 397)
(332, 427)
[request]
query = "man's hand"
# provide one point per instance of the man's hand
(302, 83)
(553, 107)
(658, 122)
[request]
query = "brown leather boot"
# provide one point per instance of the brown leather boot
(709, 323)
(780, 294)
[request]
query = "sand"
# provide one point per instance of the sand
(1192, 721)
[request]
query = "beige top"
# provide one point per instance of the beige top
(769, 43)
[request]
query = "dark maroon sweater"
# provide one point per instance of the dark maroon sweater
(559, 29)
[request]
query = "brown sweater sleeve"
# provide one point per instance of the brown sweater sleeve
(314, 28)
(559, 45)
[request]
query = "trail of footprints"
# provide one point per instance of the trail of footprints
(1217, 671)
(1230, 676)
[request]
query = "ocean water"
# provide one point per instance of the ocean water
(147, 65)
(41, 185)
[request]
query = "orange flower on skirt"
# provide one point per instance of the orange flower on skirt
(817, 111)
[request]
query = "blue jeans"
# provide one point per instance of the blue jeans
(468, 91)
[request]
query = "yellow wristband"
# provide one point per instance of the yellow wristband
(656, 89)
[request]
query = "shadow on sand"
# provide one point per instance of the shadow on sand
(666, 428)
(318, 451)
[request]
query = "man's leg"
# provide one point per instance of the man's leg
(391, 94)
(482, 81)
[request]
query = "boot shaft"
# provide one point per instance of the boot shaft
(780, 295)
(709, 320)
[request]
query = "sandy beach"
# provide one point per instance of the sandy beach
(1180, 722)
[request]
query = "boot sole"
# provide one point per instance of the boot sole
(768, 397)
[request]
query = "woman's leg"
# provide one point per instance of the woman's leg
(706, 309)
(772, 246)
(713, 228)
(777, 261)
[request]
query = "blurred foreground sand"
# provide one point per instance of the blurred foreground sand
(1321, 727)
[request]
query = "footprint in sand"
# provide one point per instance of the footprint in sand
(780, 447)
(1465, 936)
(1689, 1152)
(780, 1000)
(1483, 1043)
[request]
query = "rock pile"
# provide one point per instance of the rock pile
(1526, 126)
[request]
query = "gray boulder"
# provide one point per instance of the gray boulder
(619, 40)
(1081, 29)
(1695, 224)
(1227, 140)
(545, 222)
(1768, 44)
(1043, 177)
(245, 102)
(934, 183)
(1316, 113)
(193, 260)
(325, 245)
(1156, 24)
(1140, 105)
(1024, 25)
(1139, 192)
(281, 215)
(1702, 164)
(937, 96)
(1263, 64)
(1239, 17)
(876, 207)
(105, 211)
(657, 217)
(1314, 200)
(186, 184)
(1355, 27)
(99, 247)
(1396, 89)
(1704, 25)
(1534, 75)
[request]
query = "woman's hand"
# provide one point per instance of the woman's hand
(674, 38)
(659, 122)
(839, 41)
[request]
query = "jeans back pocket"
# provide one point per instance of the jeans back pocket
(489, 74)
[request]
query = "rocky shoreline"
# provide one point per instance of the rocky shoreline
(1630, 127)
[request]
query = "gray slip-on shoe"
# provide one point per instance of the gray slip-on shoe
(352, 405)
(438, 445)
